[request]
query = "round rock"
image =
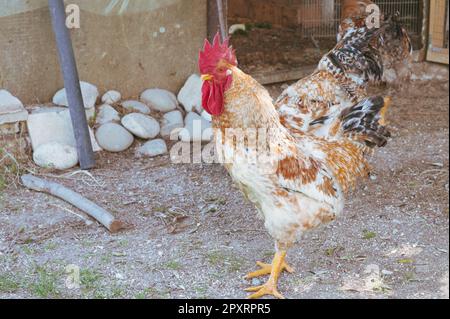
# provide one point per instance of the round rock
(160, 100)
(136, 106)
(170, 122)
(56, 155)
(111, 97)
(114, 138)
(190, 96)
(153, 148)
(207, 116)
(107, 114)
(141, 125)
(196, 129)
(88, 91)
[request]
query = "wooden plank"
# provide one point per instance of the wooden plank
(438, 57)
(438, 23)
(436, 49)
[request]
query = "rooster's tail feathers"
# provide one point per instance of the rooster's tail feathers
(366, 121)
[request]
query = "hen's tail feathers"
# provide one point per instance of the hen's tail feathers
(366, 121)
(355, 55)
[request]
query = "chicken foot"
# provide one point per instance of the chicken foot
(271, 287)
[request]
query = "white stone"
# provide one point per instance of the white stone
(111, 97)
(170, 122)
(153, 148)
(114, 138)
(207, 116)
(196, 129)
(56, 155)
(160, 100)
(66, 115)
(136, 106)
(236, 27)
(142, 126)
(90, 113)
(107, 114)
(190, 96)
(11, 109)
(47, 125)
(88, 91)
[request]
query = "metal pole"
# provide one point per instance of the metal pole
(222, 23)
(72, 84)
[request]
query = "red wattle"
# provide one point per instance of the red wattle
(213, 98)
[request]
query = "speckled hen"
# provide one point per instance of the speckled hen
(363, 55)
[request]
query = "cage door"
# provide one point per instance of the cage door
(439, 25)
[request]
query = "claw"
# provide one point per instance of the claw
(275, 269)
(266, 269)
(265, 290)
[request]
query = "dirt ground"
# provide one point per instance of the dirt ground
(191, 234)
(256, 52)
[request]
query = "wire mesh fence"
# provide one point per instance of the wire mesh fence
(321, 18)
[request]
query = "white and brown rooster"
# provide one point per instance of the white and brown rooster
(298, 180)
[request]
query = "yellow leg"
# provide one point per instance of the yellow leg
(266, 269)
(387, 103)
(271, 287)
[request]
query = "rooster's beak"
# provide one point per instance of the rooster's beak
(207, 77)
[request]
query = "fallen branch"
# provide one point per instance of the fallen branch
(90, 208)
(86, 221)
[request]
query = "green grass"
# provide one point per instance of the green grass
(173, 265)
(369, 234)
(2, 182)
(263, 25)
(409, 276)
(333, 251)
(90, 279)
(215, 257)
(201, 292)
(50, 246)
(152, 293)
(45, 284)
(8, 284)
(220, 259)
(27, 249)
(117, 292)
(106, 258)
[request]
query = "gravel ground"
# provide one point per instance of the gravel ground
(191, 234)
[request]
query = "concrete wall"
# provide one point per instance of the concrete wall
(124, 45)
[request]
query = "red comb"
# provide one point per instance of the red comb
(213, 53)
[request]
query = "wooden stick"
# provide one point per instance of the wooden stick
(90, 208)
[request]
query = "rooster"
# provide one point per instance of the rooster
(296, 180)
